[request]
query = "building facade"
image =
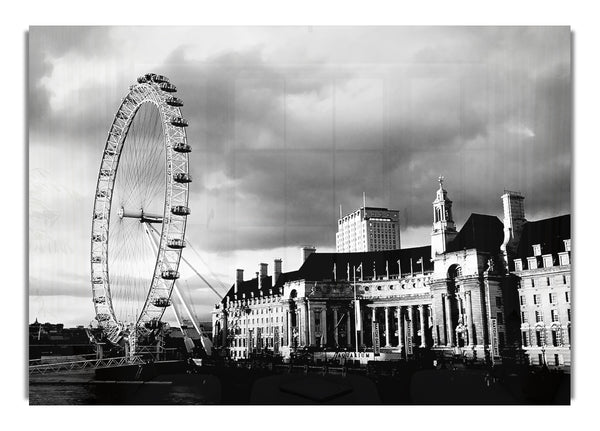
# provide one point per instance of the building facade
(368, 229)
(473, 292)
(543, 268)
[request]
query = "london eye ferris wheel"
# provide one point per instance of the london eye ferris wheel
(140, 211)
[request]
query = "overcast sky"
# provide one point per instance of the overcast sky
(289, 123)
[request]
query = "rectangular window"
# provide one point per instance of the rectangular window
(537, 250)
(567, 296)
(569, 314)
(522, 299)
(554, 338)
(525, 338)
(523, 317)
(537, 300)
(547, 261)
(556, 360)
(554, 315)
(500, 318)
(532, 283)
(538, 338)
(532, 263)
(501, 340)
(552, 298)
(518, 265)
(564, 258)
(539, 316)
(498, 301)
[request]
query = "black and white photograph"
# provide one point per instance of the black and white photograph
(300, 215)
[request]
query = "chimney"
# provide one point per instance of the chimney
(258, 280)
(514, 220)
(276, 270)
(239, 279)
(307, 251)
(263, 270)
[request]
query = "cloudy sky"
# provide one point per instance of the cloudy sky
(289, 123)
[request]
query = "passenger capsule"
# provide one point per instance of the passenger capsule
(174, 101)
(161, 302)
(98, 238)
(168, 87)
(152, 324)
(179, 122)
(176, 243)
(170, 274)
(96, 259)
(160, 79)
(142, 80)
(182, 177)
(180, 210)
(182, 147)
(100, 300)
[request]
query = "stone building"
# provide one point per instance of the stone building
(543, 268)
(458, 296)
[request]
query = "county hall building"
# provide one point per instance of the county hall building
(480, 291)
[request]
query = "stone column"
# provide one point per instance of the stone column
(373, 320)
(310, 323)
(412, 325)
(450, 331)
(324, 326)
(285, 331)
(361, 335)
(422, 318)
(469, 310)
(387, 327)
(335, 327)
(430, 316)
(399, 308)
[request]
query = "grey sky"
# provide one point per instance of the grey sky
(287, 123)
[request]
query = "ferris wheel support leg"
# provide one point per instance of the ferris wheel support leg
(153, 243)
(153, 229)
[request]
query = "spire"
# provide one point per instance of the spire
(443, 230)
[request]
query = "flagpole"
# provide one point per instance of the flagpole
(355, 313)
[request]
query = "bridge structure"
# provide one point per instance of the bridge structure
(89, 364)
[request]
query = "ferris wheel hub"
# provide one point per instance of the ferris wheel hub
(139, 214)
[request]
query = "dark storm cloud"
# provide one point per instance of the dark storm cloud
(491, 122)
(45, 45)
(279, 146)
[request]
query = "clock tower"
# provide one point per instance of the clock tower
(444, 229)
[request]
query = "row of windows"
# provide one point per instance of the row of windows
(268, 342)
(547, 281)
(264, 330)
(537, 298)
(539, 316)
(539, 338)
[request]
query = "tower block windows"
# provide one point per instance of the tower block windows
(444, 229)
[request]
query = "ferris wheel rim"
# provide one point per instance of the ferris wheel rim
(153, 90)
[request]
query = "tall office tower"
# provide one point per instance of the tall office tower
(368, 229)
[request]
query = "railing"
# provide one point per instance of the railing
(83, 365)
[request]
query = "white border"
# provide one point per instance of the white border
(583, 19)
